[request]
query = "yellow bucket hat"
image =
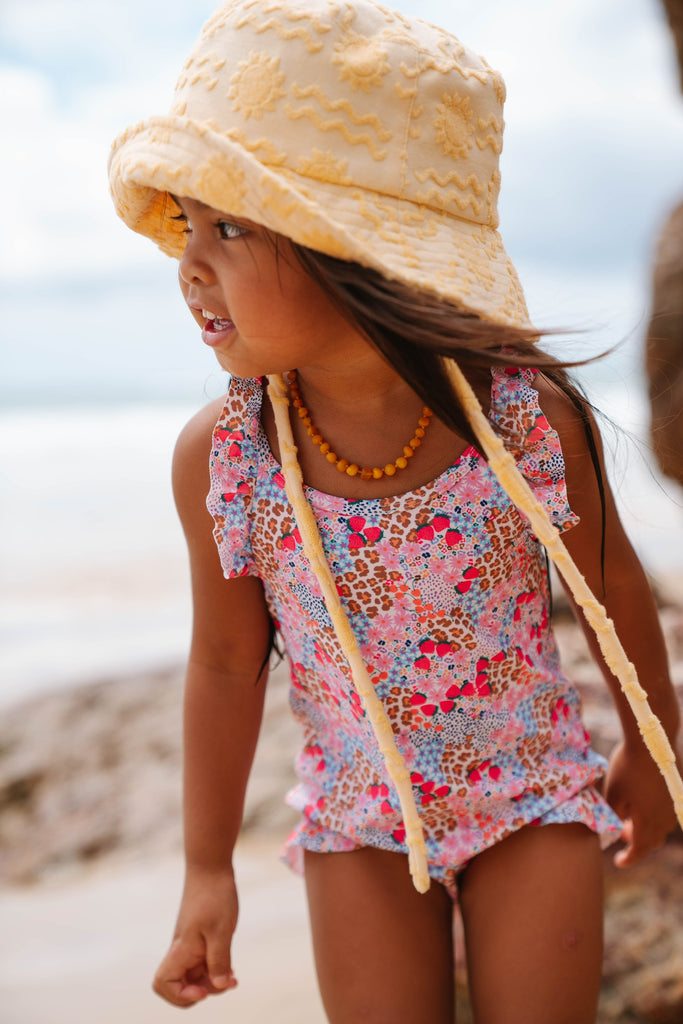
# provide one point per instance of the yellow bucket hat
(347, 127)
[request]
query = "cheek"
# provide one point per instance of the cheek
(300, 296)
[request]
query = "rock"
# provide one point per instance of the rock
(674, 12)
(94, 773)
(74, 767)
(664, 349)
(643, 967)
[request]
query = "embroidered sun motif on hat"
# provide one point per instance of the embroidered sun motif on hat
(453, 124)
(218, 177)
(346, 127)
(256, 85)
(362, 62)
(325, 166)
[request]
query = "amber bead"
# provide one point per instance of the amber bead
(352, 468)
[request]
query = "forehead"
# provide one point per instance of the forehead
(195, 209)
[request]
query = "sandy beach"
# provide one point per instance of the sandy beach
(85, 950)
(96, 622)
(91, 868)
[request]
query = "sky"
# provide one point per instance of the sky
(100, 362)
(593, 159)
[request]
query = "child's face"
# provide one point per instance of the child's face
(266, 314)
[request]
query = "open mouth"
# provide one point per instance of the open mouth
(215, 323)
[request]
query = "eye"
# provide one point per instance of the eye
(181, 217)
(228, 230)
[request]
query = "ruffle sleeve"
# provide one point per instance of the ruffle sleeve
(533, 441)
(232, 468)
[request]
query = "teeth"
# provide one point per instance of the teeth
(208, 314)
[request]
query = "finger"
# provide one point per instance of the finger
(178, 979)
(639, 842)
(178, 992)
(219, 962)
(201, 977)
(622, 857)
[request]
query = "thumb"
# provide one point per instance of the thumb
(218, 961)
(172, 980)
(624, 857)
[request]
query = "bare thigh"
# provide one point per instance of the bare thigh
(532, 909)
(383, 951)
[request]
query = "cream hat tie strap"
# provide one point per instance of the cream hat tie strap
(515, 486)
(313, 547)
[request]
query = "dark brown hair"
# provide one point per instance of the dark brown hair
(417, 332)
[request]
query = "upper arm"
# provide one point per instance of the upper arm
(231, 624)
(598, 543)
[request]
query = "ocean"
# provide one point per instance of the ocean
(99, 377)
(94, 577)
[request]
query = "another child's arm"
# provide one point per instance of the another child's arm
(224, 694)
(634, 785)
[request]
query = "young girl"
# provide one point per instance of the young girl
(328, 179)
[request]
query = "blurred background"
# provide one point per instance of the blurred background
(102, 365)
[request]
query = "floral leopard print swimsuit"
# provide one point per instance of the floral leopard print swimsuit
(447, 593)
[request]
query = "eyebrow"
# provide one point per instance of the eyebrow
(240, 222)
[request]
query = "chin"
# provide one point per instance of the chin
(246, 368)
(236, 368)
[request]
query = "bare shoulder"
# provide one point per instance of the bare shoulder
(191, 458)
(566, 418)
(230, 622)
(196, 434)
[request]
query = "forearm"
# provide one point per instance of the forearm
(222, 718)
(631, 606)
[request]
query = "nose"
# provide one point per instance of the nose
(193, 267)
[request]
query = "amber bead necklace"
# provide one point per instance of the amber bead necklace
(343, 465)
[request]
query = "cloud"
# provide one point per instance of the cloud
(583, 193)
(72, 75)
(591, 158)
(53, 183)
(81, 42)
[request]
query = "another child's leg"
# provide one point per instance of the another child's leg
(383, 951)
(532, 908)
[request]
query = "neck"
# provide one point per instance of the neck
(367, 382)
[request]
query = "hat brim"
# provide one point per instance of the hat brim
(426, 247)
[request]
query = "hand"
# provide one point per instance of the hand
(636, 790)
(198, 963)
